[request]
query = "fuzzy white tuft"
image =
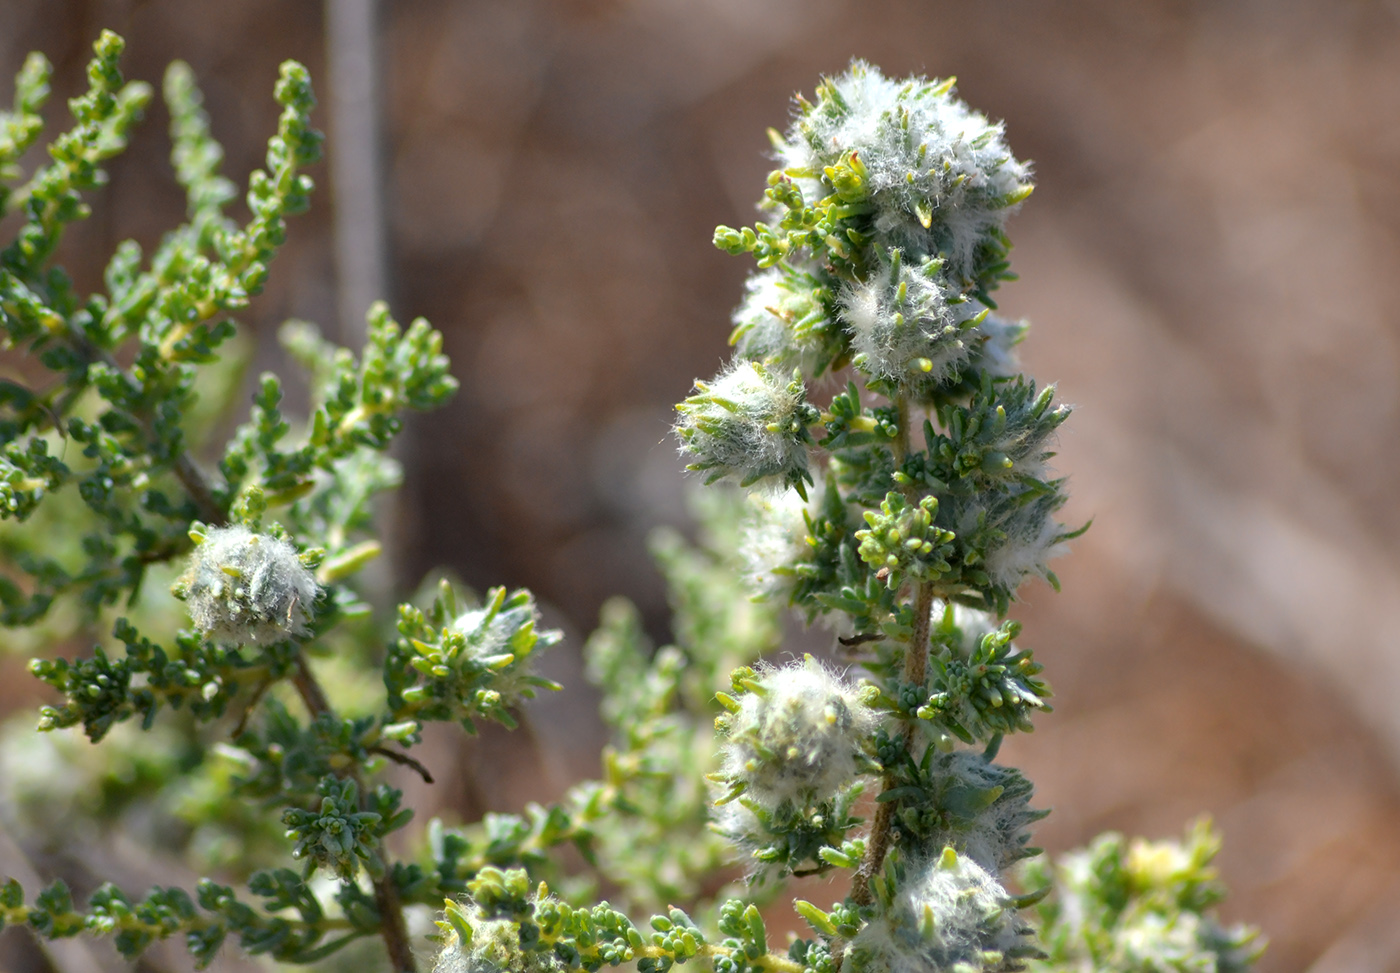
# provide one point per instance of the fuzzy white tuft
(783, 321)
(746, 425)
(902, 327)
(775, 539)
(799, 738)
(494, 948)
(997, 353)
(243, 588)
(948, 914)
(995, 834)
(1032, 541)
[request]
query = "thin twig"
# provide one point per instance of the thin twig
(392, 927)
(248, 710)
(309, 689)
(404, 759)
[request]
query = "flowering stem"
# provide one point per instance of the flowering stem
(915, 671)
(770, 962)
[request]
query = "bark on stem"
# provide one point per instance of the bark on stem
(392, 927)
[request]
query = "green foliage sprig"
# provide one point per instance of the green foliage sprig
(262, 592)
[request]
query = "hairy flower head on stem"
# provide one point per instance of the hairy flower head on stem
(748, 425)
(794, 735)
(246, 588)
(947, 913)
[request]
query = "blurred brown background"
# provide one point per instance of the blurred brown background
(1209, 261)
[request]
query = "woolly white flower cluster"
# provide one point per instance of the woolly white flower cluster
(1033, 539)
(929, 184)
(1021, 537)
(748, 425)
(946, 914)
(901, 323)
(939, 175)
(243, 588)
(797, 736)
(505, 640)
(785, 321)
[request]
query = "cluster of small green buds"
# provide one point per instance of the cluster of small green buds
(27, 471)
(1004, 433)
(947, 914)
(748, 425)
(452, 664)
(980, 684)
(902, 541)
(246, 588)
(338, 835)
(795, 735)
(510, 925)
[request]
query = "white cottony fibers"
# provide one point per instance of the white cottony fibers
(748, 424)
(243, 588)
(490, 632)
(901, 326)
(949, 914)
(927, 156)
(798, 738)
(993, 834)
(1034, 538)
(738, 822)
(996, 355)
(775, 538)
(783, 322)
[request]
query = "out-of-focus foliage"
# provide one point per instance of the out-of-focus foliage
(1140, 907)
